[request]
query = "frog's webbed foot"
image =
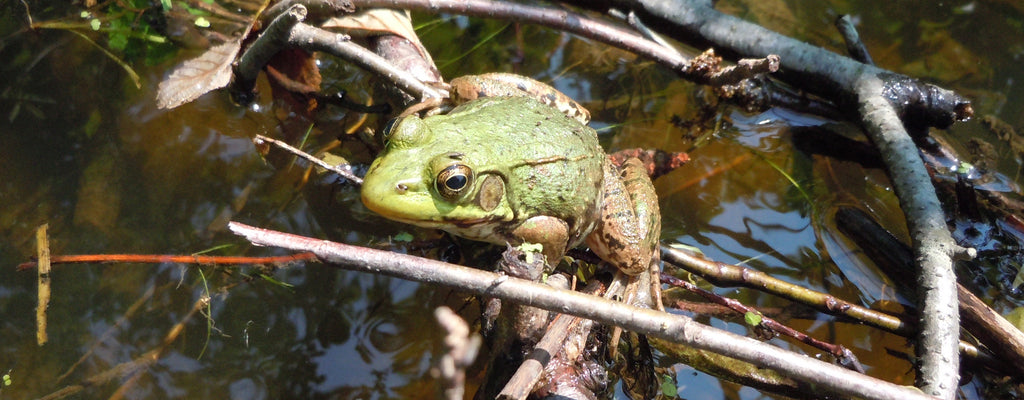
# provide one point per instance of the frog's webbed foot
(644, 290)
(641, 290)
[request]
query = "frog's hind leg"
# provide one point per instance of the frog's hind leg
(629, 229)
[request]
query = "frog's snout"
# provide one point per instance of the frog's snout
(389, 198)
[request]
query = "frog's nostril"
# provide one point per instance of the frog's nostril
(401, 188)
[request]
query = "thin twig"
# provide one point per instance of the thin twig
(854, 46)
(261, 140)
(722, 274)
(43, 252)
(671, 327)
(164, 258)
(838, 351)
(316, 39)
(270, 41)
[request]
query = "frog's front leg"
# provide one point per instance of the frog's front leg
(550, 232)
(630, 227)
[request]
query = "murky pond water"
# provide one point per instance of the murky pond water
(85, 151)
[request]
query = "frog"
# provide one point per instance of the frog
(510, 169)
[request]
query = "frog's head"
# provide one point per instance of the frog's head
(422, 179)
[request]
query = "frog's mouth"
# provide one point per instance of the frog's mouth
(446, 223)
(483, 229)
(469, 223)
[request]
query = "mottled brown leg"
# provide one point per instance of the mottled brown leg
(629, 232)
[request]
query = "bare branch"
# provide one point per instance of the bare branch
(933, 246)
(261, 140)
(854, 46)
(662, 325)
(880, 98)
(563, 20)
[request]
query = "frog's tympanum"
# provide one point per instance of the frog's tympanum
(513, 170)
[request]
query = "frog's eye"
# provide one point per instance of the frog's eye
(453, 181)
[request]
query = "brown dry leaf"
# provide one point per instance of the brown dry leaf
(211, 70)
(376, 21)
(198, 76)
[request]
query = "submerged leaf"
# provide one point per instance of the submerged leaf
(196, 77)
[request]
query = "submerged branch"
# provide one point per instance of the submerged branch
(666, 326)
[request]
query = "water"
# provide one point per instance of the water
(88, 153)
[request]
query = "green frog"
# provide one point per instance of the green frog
(511, 169)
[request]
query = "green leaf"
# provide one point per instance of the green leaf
(752, 318)
(964, 167)
(403, 237)
(166, 4)
(686, 247)
(531, 247)
(94, 24)
(202, 22)
(668, 387)
(117, 41)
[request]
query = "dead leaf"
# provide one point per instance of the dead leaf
(374, 21)
(198, 76)
(377, 21)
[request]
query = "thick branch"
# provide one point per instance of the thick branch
(848, 82)
(675, 328)
(933, 246)
(584, 26)
(809, 67)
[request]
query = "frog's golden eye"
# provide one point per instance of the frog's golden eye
(453, 181)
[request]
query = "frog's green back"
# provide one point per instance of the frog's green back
(551, 162)
(550, 165)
